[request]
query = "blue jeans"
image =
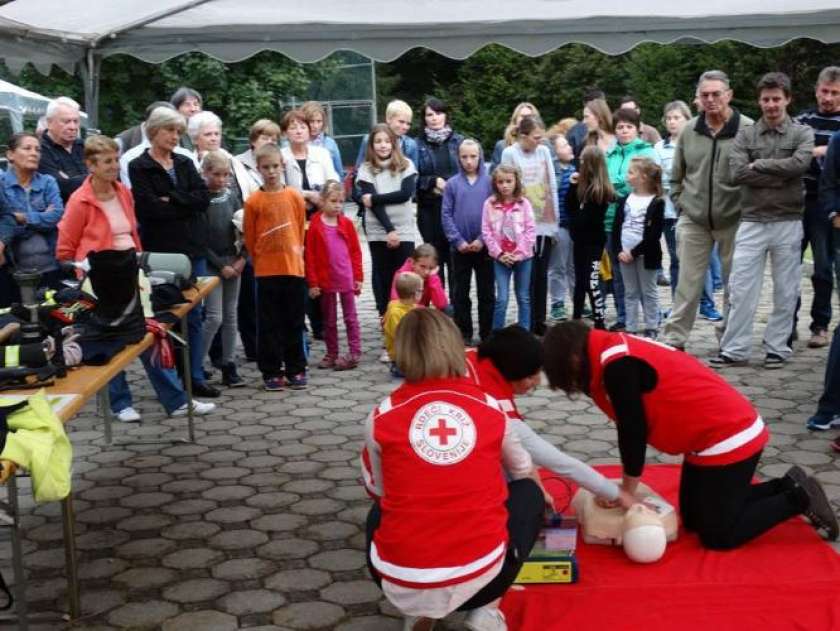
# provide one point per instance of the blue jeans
(820, 234)
(165, 382)
(829, 404)
(669, 229)
(716, 268)
(617, 282)
(521, 272)
(195, 327)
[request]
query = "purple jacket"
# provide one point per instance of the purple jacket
(463, 206)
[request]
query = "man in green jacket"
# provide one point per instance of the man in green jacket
(709, 204)
(768, 161)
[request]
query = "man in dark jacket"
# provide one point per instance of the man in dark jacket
(62, 151)
(824, 120)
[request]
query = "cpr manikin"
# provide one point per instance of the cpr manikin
(643, 530)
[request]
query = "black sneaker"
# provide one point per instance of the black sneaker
(773, 361)
(724, 361)
(819, 509)
(204, 390)
(231, 378)
(618, 327)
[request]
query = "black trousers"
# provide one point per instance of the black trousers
(280, 314)
(246, 312)
(587, 259)
(539, 284)
(463, 267)
(726, 510)
(430, 225)
(384, 263)
(525, 506)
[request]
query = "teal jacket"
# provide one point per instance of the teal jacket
(618, 161)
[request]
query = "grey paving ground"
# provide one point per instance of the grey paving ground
(259, 523)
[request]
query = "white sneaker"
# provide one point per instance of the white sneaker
(413, 623)
(200, 408)
(486, 619)
(128, 415)
(385, 358)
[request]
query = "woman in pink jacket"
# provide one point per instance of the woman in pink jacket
(509, 232)
(100, 216)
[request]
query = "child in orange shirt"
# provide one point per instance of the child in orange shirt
(275, 218)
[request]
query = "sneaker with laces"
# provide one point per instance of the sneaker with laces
(773, 361)
(348, 362)
(558, 312)
(486, 619)
(231, 378)
(199, 408)
(819, 339)
(385, 358)
(298, 382)
(327, 363)
(822, 422)
(819, 509)
(128, 415)
(274, 384)
(711, 314)
(724, 361)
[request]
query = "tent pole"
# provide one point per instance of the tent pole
(90, 75)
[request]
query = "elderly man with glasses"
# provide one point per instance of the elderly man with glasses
(708, 203)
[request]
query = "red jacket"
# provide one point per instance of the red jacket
(433, 293)
(317, 257)
(85, 226)
(486, 376)
(444, 519)
(692, 410)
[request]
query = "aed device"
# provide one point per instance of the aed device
(552, 559)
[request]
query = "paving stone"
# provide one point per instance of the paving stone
(278, 522)
(335, 455)
(338, 560)
(269, 501)
(192, 558)
(103, 515)
(273, 479)
(233, 514)
(153, 547)
(201, 621)
(302, 467)
(292, 449)
(196, 590)
(103, 492)
(187, 486)
(102, 568)
(189, 507)
(101, 539)
(146, 577)
(191, 530)
(245, 602)
(352, 592)
(308, 485)
(146, 500)
(225, 473)
(46, 532)
(228, 493)
(309, 615)
(145, 615)
(298, 580)
(142, 480)
(371, 623)
(287, 549)
(324, 506)
(182, 468)
(237, 539)
(242, 569)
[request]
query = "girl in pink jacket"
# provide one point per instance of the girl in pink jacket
(424, 262)
(508, 231)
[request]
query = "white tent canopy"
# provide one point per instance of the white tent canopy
(68, 32)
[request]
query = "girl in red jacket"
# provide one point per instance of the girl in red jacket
(334, 271)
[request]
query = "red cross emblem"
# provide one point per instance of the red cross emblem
(442, 432)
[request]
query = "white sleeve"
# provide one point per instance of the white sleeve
(370, 461)
(544, 454)
(516, 460)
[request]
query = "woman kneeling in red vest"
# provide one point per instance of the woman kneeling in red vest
(663, 397)
(447, 531)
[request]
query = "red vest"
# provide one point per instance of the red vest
(444, 519)
(691, 410)
(486, 376)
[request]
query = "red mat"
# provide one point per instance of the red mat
(786, 579)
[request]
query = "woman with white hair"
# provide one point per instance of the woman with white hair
(205, 132)
(171, 202)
